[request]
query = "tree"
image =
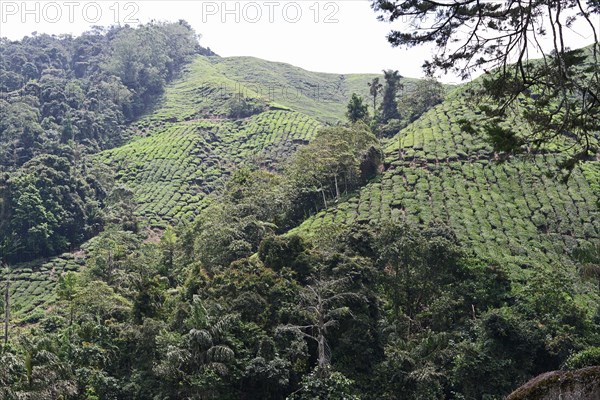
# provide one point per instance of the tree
(332, 387)
(46, 376)
(416, 264)
(168, 245)
(357, 110)
(322, 304)
(195, 364)
(67, 290)
(589, 259)
(418, 98)
(146, 57)
(52, 206)
(560, 92)
(338, 158)
(389, 105)
(374, 90)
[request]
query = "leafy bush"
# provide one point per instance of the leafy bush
(584, 358)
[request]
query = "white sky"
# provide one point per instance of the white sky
(340, 36)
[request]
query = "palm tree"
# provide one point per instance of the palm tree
(374, 89)
(200, 355)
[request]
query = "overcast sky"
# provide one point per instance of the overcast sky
(318, 35)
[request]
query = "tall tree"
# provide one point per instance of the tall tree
(374, 90)
(423, 95)
(389, 105)
(322, 304)
(357, 109)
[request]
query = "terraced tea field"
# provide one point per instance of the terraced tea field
(321, 95)
(188, 146)
(32, 285)
(510, 212)
(438, 137)
(209, 83)
(171, 171)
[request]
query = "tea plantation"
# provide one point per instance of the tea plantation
(188, 146)
(32, 285)
(511, 210)
(172, 170)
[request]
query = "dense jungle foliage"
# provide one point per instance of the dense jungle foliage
(63, 98)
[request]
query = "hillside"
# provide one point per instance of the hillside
(513, 212)
(508, 212)
(210, 82)
(179, 225)
(171, 170)
(190, 143)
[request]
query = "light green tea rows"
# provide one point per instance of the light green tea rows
(173, 170)
(438, 137)
(510, 211)
(32, 285)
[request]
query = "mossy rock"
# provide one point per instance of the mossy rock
(581, 384)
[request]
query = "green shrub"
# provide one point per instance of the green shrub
(585, 358)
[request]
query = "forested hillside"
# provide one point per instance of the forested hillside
(179, 225)
(64, 98)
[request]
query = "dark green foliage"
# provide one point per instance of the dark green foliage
(277, 252)
(85, 88)
(51, 207)
(585, 358)
(146, 57)
(330, 166)
(334, 386)
(404, 309)
(357, 110)
(433, 272)
(375, 89)
(416, 99)
(68, 97)
(389, 104)
(390, 128)
(240, 107)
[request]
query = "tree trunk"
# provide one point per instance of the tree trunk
(324, 199)
(337, 190)
(322, 356)
(6, 311)
(109, 265)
